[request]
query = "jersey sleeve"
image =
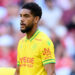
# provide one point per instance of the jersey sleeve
(18, 54)
(47, 52)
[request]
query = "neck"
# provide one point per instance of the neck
(31, 32)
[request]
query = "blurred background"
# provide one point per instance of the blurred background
(58, 22)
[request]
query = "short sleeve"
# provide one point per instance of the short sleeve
(47, 52)
(18, 54)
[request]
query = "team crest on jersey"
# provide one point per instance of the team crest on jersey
(47, 53)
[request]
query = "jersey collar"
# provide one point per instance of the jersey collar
(34, 35)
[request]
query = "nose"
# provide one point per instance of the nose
(22, 19)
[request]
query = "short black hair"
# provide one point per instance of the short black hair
(35, 8)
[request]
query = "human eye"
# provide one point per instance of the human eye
(26, 15)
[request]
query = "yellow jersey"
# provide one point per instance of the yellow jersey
(34, 53)
(7, 71)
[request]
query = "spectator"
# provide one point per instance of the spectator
(64, 4)
(13, 16)
(73, 68)
(3, 14)
(71, 25)
(68, 14)
(51, 14)
(63, 62)
(70, 38)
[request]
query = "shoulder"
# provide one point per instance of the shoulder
(44, 37)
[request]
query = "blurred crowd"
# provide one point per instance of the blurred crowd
(58, 22)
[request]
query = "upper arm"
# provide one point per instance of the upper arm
(48, 57)
(47, 53)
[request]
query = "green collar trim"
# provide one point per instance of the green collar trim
(34, 35)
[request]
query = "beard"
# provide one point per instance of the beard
(27, 29)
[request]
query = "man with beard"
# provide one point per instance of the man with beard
(35, 54)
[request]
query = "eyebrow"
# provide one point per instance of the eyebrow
(24, 14)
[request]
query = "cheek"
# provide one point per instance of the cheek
(30, 21)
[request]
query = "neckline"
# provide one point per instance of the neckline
(34, 35)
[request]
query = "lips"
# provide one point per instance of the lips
(22, 23)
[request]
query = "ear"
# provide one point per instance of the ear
(36, 19)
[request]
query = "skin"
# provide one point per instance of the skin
(17, 70)
(50, 69)
(50, 4)
(29, 20)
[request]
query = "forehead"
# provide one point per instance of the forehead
(25, 11)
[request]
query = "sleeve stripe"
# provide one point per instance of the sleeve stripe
(48, 63)
(48, 60)
(18, 64)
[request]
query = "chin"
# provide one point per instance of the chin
(23, 31)
(26, 30)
